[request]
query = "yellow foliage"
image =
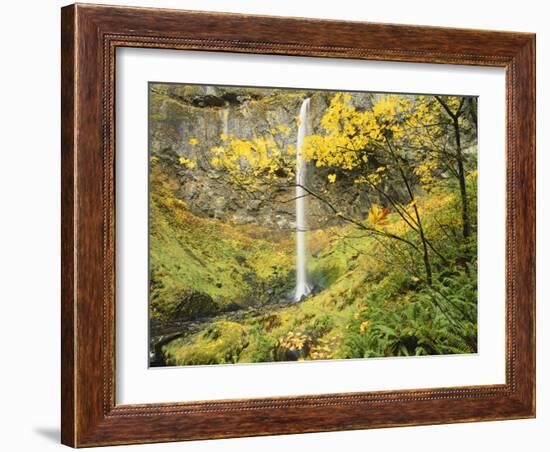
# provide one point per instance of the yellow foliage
(293, 341)
(364, 326)
(351, 134)
(425, 172)
(378, 215)
(186, 162)
(320, 352)
(251, 161)
(324, 348)
(348, 142)
(193, 141)
(284, 129)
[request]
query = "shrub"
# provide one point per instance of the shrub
(437, 319)
(319, 326)
(262, 346)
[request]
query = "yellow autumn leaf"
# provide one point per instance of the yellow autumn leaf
(284, 129)
(378, 215)
(186, 162)
(331, 178)
(364, 326)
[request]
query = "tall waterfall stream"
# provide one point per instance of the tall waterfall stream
(303, 287)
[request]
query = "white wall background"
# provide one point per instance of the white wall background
(29, 225)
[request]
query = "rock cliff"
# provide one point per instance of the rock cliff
(183, 113)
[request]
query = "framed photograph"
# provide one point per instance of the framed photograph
(280, 225)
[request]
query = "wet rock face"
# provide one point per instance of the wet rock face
(180, 113)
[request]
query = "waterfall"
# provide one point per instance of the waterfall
(225, 121)
(303, 287)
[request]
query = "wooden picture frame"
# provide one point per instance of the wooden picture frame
(90, 36)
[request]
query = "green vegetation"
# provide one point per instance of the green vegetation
(398, 278)
(370, 305)
(222, 342)
(199, 266)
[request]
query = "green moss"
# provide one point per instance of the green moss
(219, 263)
(368, 304)
(222, 342)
